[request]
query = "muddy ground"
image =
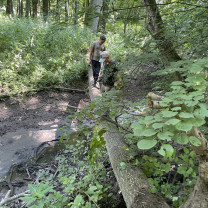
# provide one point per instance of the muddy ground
(24, 125)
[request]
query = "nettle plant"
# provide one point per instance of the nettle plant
(169, 126)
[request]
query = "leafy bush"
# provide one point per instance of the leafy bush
(35, 54)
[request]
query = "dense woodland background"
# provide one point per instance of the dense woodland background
(164, 43)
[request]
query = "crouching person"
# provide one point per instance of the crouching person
(110, 72)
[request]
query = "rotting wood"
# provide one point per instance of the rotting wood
(132, 181)
(9, 199)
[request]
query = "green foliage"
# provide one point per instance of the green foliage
(96, 145)
(182, 109)
(79, 184)
(35, 54)
(164, 174)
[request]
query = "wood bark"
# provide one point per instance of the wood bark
(1, 3)
(105, 15)
(132, 182)
(57, 10)
(96, 5)
(34, 8)
(45, 9)
(76, 10)
(66, 10)
(28, 8)
(157, 30)
(9, 7)
(87, 4)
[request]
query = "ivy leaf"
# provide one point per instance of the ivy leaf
(146, 143)
(185, 115)
(157, 125)
(166, 150)
(184, 125)
(173, 121)
(165, 135)
(181, 138)
(168, 114)
(195, 141)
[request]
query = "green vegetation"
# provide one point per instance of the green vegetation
(170, 49)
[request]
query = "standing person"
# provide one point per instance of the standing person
(96, 49)
(110, 72)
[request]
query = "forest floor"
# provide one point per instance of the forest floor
(26, 124)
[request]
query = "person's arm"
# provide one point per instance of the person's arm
(91, 51)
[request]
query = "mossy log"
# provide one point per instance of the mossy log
(132, 181)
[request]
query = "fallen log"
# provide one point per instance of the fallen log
(132, 181)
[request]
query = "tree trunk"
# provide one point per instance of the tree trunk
(34, 8)
(87, 4)
(20, 8)
(104, 17)
(38, 8)
(57, 10)
(45, 10)
(156, 28)
(96, 5)
(1, 3)
(66, 10)
(28, 8)
(76, 9)
(132, 182)
(9, 7)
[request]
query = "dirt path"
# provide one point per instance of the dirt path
(25, 125)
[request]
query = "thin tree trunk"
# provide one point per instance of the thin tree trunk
(38, 8)
(1, 3)
(57, 11)
(104, 17)
(76, 9)
(132, 181)
(87, 8)
(156, 28)
(96, 5)
(34, 8)
(9, 7)
(45, 10)
(66, 10)
(21, 8)
(28, 8)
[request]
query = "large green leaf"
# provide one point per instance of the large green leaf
(198, 121)
(157, 125)
(149, 132)
(184, 125)
(185, 115)
(181, 138)
(166, 150)
(169, 114)
(172, 121)
(146, 143)
(165, 135)
(138, 129)
(194, 141)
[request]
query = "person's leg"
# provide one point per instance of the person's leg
(97, 71)
(94, 69)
